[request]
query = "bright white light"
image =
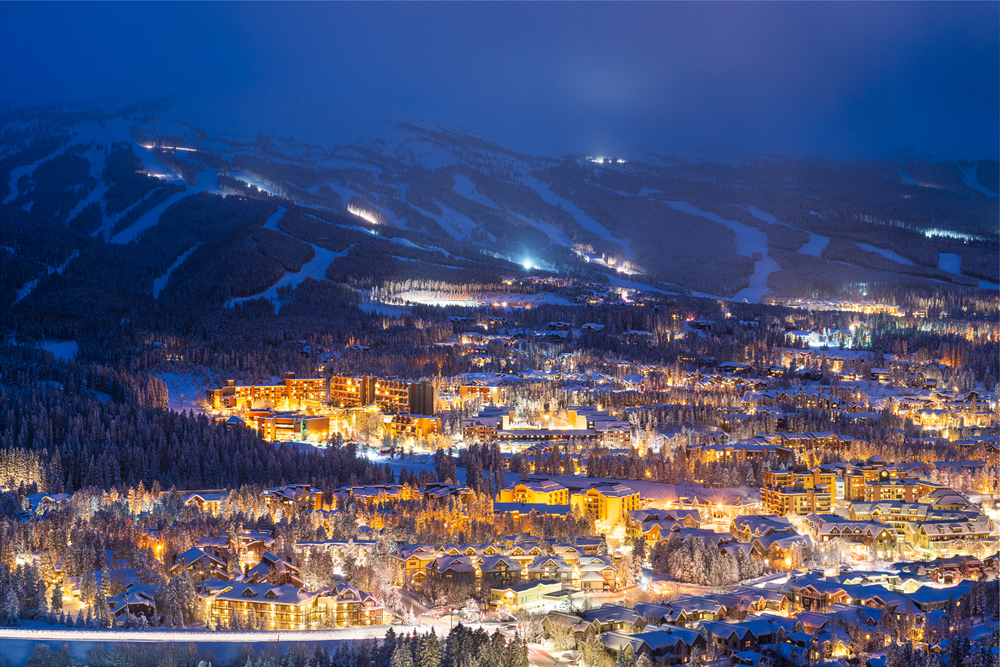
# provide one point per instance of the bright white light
(363, 214)
(528, 265)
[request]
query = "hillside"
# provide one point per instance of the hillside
(137, 211)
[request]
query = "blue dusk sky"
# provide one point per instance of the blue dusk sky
(843, 80)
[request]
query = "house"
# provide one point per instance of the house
(274, 607)
(136, 599)
(273, 570)
(347, 606)
(529, 596)
(200, 565)
(609, 617)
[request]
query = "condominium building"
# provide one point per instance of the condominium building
(796, 499)
(540, 491)
(268, 606)
(608, 502)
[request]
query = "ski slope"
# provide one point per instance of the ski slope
(748, 241)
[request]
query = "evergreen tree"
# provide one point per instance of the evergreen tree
(401, 656)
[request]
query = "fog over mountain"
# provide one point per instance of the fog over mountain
(842, 80)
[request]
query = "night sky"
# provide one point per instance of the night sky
(844, 80)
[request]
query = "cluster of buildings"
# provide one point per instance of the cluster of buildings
(803, 617)
(587, 427)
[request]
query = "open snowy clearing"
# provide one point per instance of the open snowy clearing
(183, 390)
(315, 268)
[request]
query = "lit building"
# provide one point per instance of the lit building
(273, 607)
(536, 491)
(416, 426)
(606, 501)
(796, 499)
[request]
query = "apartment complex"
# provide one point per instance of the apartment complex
(415, 426)
(796, 499)
(292, 392)
(390, 395)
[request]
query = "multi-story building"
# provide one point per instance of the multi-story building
(413, 426)
(540, 491)
(524, 597)
(390, 395)
(286, 426)
(347, 606)
(606, 501)
(796, 499)
(273, 607)
(939, 538)
(807, 479)
(291, 393)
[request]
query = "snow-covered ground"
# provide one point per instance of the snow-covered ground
(29, 286)
(970, 179)
(148, 219)
(579, 215)
(814, 246)
(950, 262)
(161, 282)
(184, 390)
(315, 268)
(748, 241)
(907, 179)
(465, 187)
(18, 172)
(888, 254)
(63, 349)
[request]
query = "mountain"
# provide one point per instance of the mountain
(138, 210)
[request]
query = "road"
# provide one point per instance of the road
(542, 658)
(42, 632)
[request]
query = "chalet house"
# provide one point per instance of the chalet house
(729, 638)
(136, 599)
(273, 570)
(349, 606)
(277, 607)
(667, 645)
(613, 617)
(200, 565)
